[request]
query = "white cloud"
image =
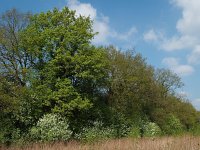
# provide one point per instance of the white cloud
(170, 61)
(190, 21)
(187, 26)
(101, 23)
(83, 8)
(194, 57)
(151, 36)
(103, 30)
(188, 31)
(184, 70)
(177, 43)
(173, 64)
(187, 36)
(125, 36)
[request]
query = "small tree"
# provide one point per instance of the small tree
(172, 125)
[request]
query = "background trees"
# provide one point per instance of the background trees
(49, 66)
(130, 88)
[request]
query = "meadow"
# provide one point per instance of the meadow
(186, 142)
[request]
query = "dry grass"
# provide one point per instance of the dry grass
(164, 143)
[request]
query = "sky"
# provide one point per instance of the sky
(165, 32)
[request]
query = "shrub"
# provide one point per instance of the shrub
(13, 136)
(16, 135)
(134, 132)
(120, 124)
(8, 133)
(51, 127)
(3, 138)
(95, 133)
(172, 126)
(121, 130)
(195, 130)
(151, 129)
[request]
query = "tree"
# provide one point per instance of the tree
(131, 80)
(56, 33)
(70, 72)
(9, 105)
(168, 81)
(14, 58)
(16, 64)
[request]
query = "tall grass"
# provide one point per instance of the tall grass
(163, 143)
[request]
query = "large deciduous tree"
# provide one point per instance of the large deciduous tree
(131, 83)
(70, 71)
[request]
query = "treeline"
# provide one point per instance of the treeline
(56, 85)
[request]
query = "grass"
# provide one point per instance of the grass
(163, 143)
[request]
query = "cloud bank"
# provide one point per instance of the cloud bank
(188, 31)
(187, 37)
(174, 65)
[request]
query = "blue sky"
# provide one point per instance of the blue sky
(165, 32)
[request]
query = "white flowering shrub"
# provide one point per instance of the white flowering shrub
(151, 129)
(95, 133)
(51, 127)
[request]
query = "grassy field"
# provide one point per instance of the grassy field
(164, 143)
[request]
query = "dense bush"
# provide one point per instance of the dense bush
(151, 129)
(195, 130)
(135, 132)
(172, 125)
(121, 124)
(95, 133)
(51, 127)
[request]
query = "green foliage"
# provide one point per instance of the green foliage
(66, 99)
(5, 131)
(182, 109)
(130, 90)
(195, 130)
(172, 125)
(70, 72)
(8, 133)
(95, 133)
(56, 32)
(10, 96)
(120, 123)
(134, 132)
(168, 80)
(187, 114)
(151, 129)
(16, 136)
(48, 66)
(51, 127)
